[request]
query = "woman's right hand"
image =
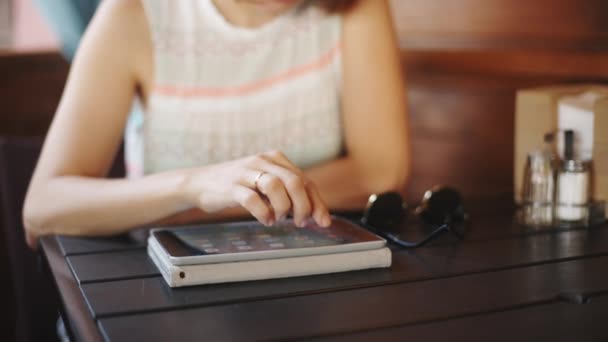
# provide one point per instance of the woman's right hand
(267, 185)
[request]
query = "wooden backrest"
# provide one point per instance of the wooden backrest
(464, 61)
(31, 86)
(500, 24)
(35, 303)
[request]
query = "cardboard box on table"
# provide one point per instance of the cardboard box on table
(537, 114)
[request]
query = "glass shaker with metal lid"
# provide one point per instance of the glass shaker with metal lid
(573, 188)
(539, 189)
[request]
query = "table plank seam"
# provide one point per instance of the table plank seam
(494, 269)
(439, 243)
(558, 296)
(514, 236)
(421, 322)
(136, 249)
(109, 280)
(109, 251)
(57, 262)
(555, 300)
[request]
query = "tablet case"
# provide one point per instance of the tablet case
(177, 276)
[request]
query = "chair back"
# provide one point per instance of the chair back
(34, 296)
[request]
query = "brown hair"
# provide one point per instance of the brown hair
(335, 6)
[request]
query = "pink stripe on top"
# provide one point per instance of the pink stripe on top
(298, 71)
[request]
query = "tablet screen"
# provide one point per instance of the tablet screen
(254, 237)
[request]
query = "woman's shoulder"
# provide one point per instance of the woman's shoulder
(121, 8)
(126, 16)
(368, 10)
(119, 32)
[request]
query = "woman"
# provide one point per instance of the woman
(261, 107)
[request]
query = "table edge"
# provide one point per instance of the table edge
(83, 326)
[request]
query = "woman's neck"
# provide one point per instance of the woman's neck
(251, 13)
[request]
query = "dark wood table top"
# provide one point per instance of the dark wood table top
(504, 282)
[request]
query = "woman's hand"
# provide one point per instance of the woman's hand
(267, 185)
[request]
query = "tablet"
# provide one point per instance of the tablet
(240, 241)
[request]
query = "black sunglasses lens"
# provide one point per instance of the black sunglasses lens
(441, 206)
(386, 212)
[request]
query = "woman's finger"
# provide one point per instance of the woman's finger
(319, 209)
(253, 202)
(295, 187)
(272, 187)
(250, 177)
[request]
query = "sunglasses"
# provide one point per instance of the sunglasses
(441, 210)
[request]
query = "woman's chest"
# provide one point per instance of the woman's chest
(205, 126)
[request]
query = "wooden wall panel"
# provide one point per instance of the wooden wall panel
(465, 60)
(462, 133)
(538, 24)
(510, 63)
(31, 85)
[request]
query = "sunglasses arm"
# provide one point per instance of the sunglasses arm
(439, 230)
(406, 244)
(457, 234)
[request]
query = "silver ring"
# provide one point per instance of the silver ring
(257, 179)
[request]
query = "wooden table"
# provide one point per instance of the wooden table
(503, 282)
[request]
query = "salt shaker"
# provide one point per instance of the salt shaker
(573, 188)
(573, 192)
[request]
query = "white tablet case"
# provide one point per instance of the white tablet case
(177, 276)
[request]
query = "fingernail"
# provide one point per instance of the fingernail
(327, 221)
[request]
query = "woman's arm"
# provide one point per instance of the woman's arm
(88, 124)
(374, 111)
(68, 194)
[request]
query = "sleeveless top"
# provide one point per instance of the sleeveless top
(223, 92)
